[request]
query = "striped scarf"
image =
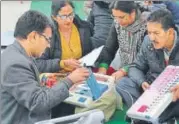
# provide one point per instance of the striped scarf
(130, 39)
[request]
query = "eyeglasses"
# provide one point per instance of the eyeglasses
(118, 17)
(46, 38)
(64, 17)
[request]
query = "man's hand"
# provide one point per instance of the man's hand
(71, 63)
(102, 70)
(145, 85)
(175, 91)
(119, 74)
(79, 75)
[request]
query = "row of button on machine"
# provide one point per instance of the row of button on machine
(155, 99)
(85, 93)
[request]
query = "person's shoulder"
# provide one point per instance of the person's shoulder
(81, 23)
(147, 43)
(144, 15)
(11, 56)
(10, 52)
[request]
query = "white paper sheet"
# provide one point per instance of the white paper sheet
(89, 59)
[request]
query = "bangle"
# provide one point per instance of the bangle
(104, 65)
(126, 68)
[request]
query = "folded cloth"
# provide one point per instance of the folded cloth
(106, 103)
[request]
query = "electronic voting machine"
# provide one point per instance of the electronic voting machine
(155, 99)
(83, 94)
(86, 92)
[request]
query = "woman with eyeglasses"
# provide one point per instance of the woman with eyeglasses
(70, 40)
(124, 38)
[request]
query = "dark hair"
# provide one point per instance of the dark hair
(58, 4)
(164, 17)
(125, 6)
(31, 21)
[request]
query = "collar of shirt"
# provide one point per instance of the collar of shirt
(166, 52)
